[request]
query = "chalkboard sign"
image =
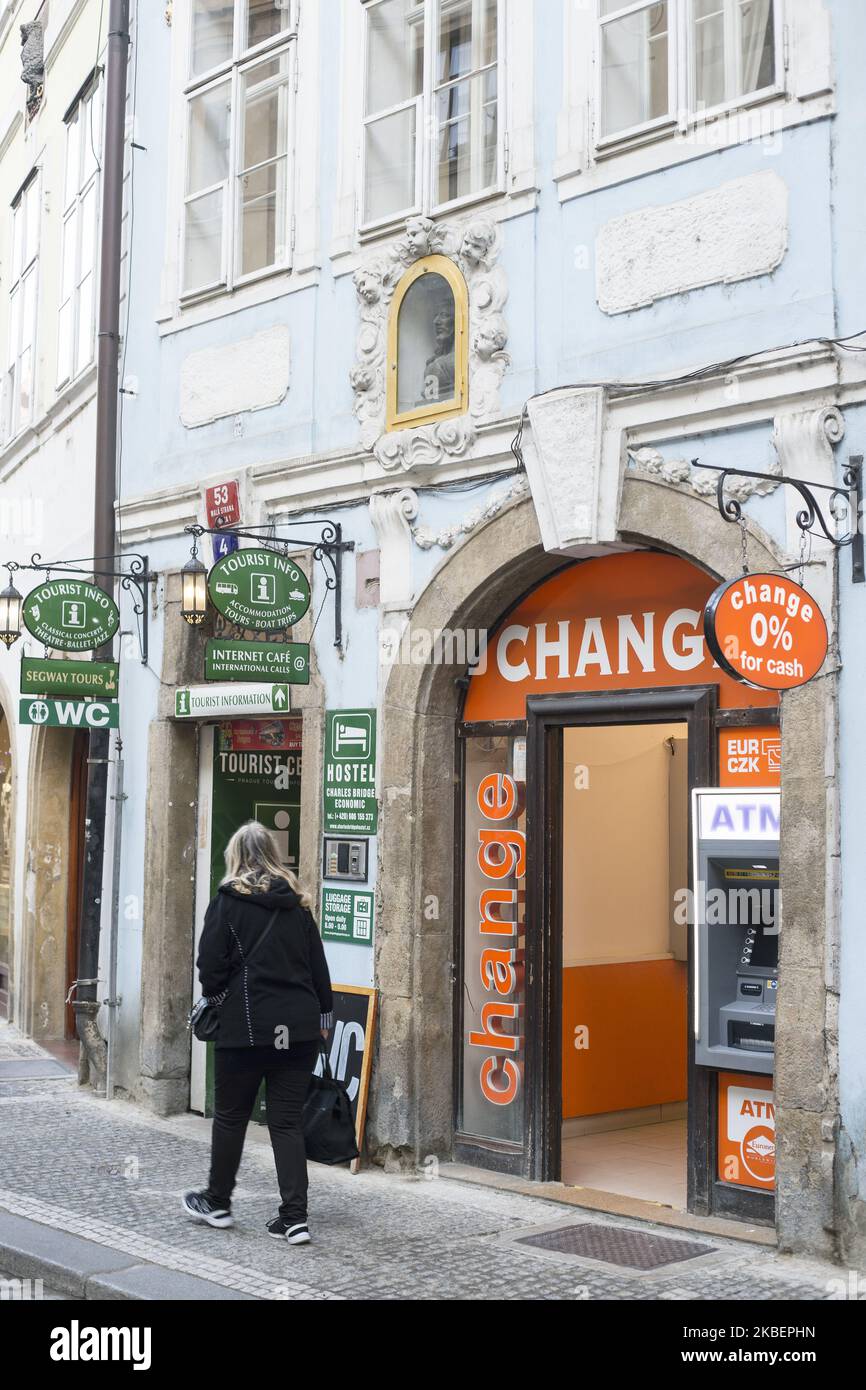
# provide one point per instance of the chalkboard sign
(350, 1049)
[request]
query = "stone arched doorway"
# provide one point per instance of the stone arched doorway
(51, 862)
(412, 1113)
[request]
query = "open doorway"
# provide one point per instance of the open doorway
(624, 856)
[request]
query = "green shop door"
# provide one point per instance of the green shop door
(249, 769)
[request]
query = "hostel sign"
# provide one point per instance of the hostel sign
(351, 807)
(71, 615)
(766, 630)
(259, 589)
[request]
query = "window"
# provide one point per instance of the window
(77, 313)
(659, 59)
(18, 379)
(237, 220)
(427, 356)
(431, 107)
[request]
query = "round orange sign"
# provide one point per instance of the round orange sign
(766, 630)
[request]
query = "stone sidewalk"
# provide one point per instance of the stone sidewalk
(90, 1202)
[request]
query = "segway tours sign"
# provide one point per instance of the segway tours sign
(71, 615)
(765, 630)
(259, 589)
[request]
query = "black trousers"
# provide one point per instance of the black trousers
(238, 1074)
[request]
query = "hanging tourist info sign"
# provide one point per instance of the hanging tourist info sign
(70, 615)
(46, 677)
(70, 714)
(229, 701)
(766, 630)
(229, 660)
(259, 589)
(350, 772)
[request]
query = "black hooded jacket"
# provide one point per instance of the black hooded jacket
(284, 995)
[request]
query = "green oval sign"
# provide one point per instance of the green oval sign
(259, 589)
(71, 615)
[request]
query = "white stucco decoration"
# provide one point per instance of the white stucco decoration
(703, 481)
(250, 374)
(426, 539)
(563, 461)
(474, 245)
(733, 232)
(392, 514)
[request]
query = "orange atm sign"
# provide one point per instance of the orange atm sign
(747, 1130)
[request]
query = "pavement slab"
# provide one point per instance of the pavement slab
(95, 1189)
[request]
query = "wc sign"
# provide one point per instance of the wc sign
(747, 1130)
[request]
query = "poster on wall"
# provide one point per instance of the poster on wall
(747, 1130)
(257, 776)
(347, 916)
(350, 803)
(350, 1050)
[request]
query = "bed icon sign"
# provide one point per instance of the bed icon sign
(352, 739)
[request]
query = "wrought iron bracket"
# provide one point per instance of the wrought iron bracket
(811, 516)
(328, 550)
(137, 577)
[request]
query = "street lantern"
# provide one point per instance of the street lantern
(10, 614)
(193, 602)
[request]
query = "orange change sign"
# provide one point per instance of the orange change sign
(766, 630)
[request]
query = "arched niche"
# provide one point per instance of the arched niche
(428, 336)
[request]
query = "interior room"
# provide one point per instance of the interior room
(624, 1013)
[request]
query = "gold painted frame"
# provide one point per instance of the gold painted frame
(457, 404)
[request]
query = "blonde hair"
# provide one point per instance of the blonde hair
(253, 861)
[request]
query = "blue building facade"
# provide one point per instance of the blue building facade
(495, 287)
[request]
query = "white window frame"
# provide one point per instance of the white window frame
(232, 70)
(72, 212)
(683, 112)
(11, 423)
(425, 203)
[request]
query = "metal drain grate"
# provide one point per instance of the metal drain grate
(615, 1246)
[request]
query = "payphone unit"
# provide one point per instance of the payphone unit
(736, 926)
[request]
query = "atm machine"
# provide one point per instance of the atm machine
(736, 926)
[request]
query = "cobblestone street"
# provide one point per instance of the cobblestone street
(112, 1176)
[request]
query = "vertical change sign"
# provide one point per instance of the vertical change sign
(766, 630)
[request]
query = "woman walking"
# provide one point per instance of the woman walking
(261, 959)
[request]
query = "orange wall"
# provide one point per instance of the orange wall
(636, 1013)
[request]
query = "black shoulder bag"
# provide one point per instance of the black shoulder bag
(329, 1130)
(204, 1017)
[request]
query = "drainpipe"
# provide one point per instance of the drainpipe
(86, 1004)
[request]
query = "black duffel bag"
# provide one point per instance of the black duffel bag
(329, 1130)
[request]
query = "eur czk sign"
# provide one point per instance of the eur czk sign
(71, 615)
(259, 589)
(766, 630)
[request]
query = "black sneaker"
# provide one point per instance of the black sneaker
(296, 1233)
(199, 1206)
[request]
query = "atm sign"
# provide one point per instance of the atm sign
(747, 1130)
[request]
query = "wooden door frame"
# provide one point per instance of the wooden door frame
(547, 716)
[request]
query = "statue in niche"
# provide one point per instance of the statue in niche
(439, 367)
